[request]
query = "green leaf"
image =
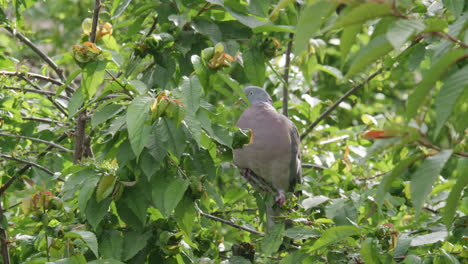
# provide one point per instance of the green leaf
(246, 19)
(111, 245)
(234, 85)
(95, 211)
(416, 99)
(348, 38)
(401, 30)
(425, 176)
(272, 241)
(172, 137)
(448, 95)
(70, 78)
(90, 239)
(135, 199)
(455, 194)
(138, 114)
(76, 101)
(254, 65)
(386, 182)
(119, 7)
(294, 258)
(274, 28)
(375, 49)
(185, 214)
(445, 45)
(167, 192)
(362, 13)
(211, 30)
(454, 6)
(333, 235)
(105, 187)
(301, 232)
(93, 76)
(281, 4)
(86, 192)
(133, 243)
(310, 21)
(369, 251)
(105, 113)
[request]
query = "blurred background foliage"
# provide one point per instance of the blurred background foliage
(152, 104)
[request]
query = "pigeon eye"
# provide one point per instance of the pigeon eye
(251, 93)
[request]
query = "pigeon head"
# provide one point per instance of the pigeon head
(257, 95)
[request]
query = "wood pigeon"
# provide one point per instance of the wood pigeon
(273, 156)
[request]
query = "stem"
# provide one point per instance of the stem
(80, 135)
(4, 240)
(5, 156)
(153, 26)
(27, 166)
(52, 144)
(45, 120)
(341, 99)
(39, 52)
(286, 74)
(34, 91)
(97, 8)
(32, 75)
(59, 107)
(212, 217)
(45, 233)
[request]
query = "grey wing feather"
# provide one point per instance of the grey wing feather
(295, 166)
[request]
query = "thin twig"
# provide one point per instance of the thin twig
(32, 75)
(312, 166)
(59, 107)
(37, 140)
(448, 37)
(234, 211)
(427, 143)
(212, 217)
(341, 99)
(39, 52)
(5, 156)
(153, 26)
(45, 120)
(286, 74)
(34, 91)
(10, 181)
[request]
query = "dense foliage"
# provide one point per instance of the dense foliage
(117, 123)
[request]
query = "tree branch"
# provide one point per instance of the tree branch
(5, 156)
(32, 75)
(34, 91)
(428, 144)
(286, 74)
(45, 120)
(80, 135)
(27, 166)
(97, 8)
(4, 240)
(39, 52)
(59, 107)
(212, 217)
(341, 99)
(52, 144)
